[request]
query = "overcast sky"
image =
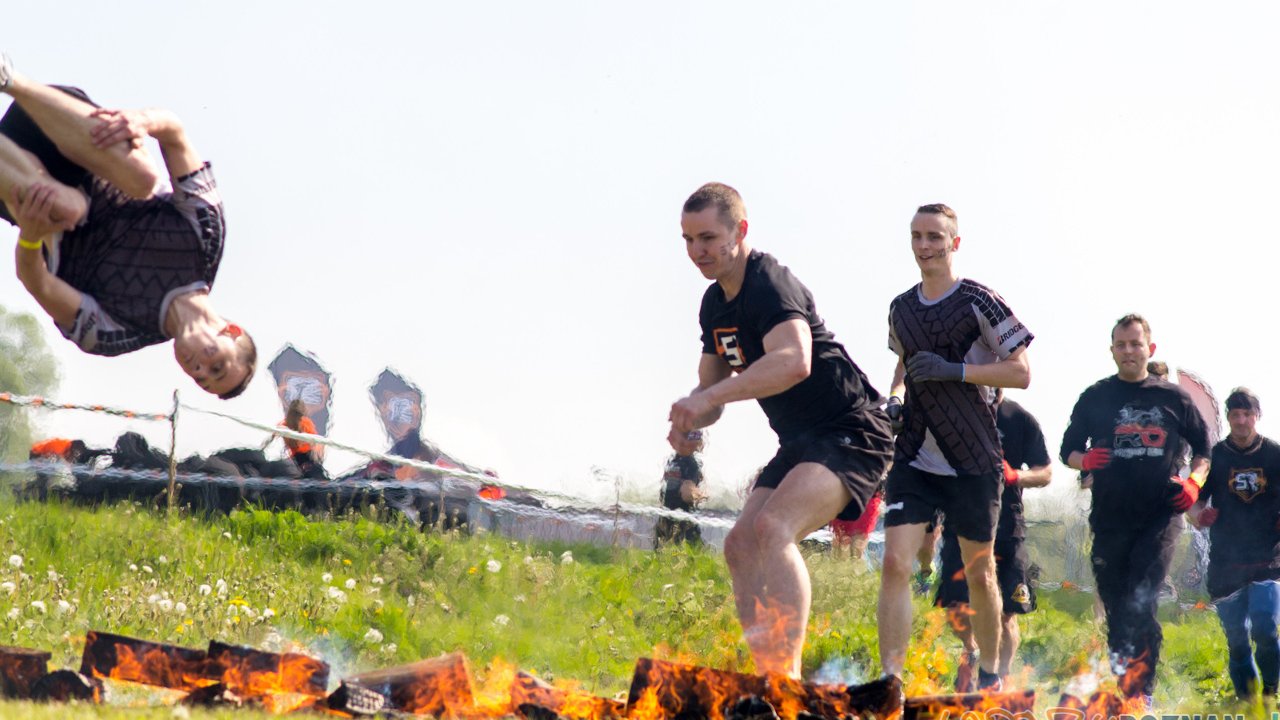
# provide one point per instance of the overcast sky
(486, 196)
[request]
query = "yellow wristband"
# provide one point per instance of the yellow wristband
(30, 244)
(1199, 481)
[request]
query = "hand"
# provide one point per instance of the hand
(924, 366)
(33, 211)
(1011, 476)
(115, 126)
(1096, 459)
(893, 409)
(691, 492)
(684, 443)
(1209, 516)
(1183, 494)
(685, 412)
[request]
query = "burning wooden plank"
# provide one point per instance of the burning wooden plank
(1102, 704)
(66, 686)
(20, 668)
(533, 698)
(250, 673)
(662, 690)
(438, 686)
(117, 657)
(934, 707)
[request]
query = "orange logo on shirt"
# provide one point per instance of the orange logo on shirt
(727, 347)
(1247, 483)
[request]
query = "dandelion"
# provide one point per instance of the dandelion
(63, 607)
(147, 569)
(519, 598)
(226, 535)
(221, 585)
(133, 568)
(180, 608)
(411, 601)
(166, 605)
(13, 614)
(162, 560)
(528, 559)
(336, 594)
(204, 590)
(153, 599)
(15, 561)
(345, 561)
(350, 583)
(54, 576)
(39, 607)
(8, 588)
(268, 613)
(472, 570)
(377, 580)
(493, 566)
(501, 621)
(373, 636)
(390, 648)
(326, 578)
(566, 557)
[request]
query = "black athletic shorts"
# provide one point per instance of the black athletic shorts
(18, 126)
(1011, 573)
(857, 448)
(970, 502)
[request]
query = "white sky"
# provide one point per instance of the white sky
(486, 195)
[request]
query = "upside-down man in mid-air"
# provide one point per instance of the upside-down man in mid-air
(117, 265)
(762, 339)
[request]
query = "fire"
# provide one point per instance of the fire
(440, 686)
(116, 657)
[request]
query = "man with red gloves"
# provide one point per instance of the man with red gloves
(1128, 431)
(1026, 465)
(1244, 555)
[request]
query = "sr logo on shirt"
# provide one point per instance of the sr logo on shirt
(727, 347)
(1248, 483)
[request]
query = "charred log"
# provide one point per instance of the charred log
(529, 690)
(20, 668)
(439, 686)
(67, 686)
(250, 672)
(356, 700)
(930, 707)
(123, 658)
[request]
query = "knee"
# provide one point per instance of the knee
(1263, 626)
(739, 548)
(896, 568)
(772, 532)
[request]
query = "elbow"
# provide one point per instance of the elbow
(1023, 380)
(141, 180)
(800, 371)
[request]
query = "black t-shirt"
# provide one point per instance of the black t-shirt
(679, 469)
(735, 330)
(1023, 444)
(1145, 425)
(1244, 543)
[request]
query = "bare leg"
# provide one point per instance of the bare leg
(19, 169)
(808, 498)
(858, 545)
(742, 554)
(66, 120)
(893, 614)
(984, 598)
(1009, 639)
(967, 669)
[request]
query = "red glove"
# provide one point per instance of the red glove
(1209, 516)
(1010, 475)
(1096, 459)
(1185, 493)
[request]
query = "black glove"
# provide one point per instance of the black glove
(924, 366)
(895, 412)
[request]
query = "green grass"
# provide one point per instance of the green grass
(280, 581)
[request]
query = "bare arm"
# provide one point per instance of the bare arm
(1036, 477)
(787, 350)
(180, 156)
(53, 294)
(898, 388)
(1200, 468)
(1011, 372)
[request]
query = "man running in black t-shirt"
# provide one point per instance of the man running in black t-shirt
(1128, 431)
(762, 339)
(1026, 465)
(1244, 549)
(116, 265)
(955, 340)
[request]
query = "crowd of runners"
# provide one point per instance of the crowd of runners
(119, 265)
(946, 448)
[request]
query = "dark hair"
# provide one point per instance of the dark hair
(1132, 319)
(1242, 398)
(943, 210)
(724, 198)
(1158, 368)
(249, 356)
(297, 410)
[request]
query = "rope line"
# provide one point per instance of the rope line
(46, 403)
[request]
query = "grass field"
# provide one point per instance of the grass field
(363, 592)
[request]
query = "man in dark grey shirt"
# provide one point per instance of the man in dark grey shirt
(117, 265)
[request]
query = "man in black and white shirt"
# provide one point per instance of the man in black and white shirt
(117, 265)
